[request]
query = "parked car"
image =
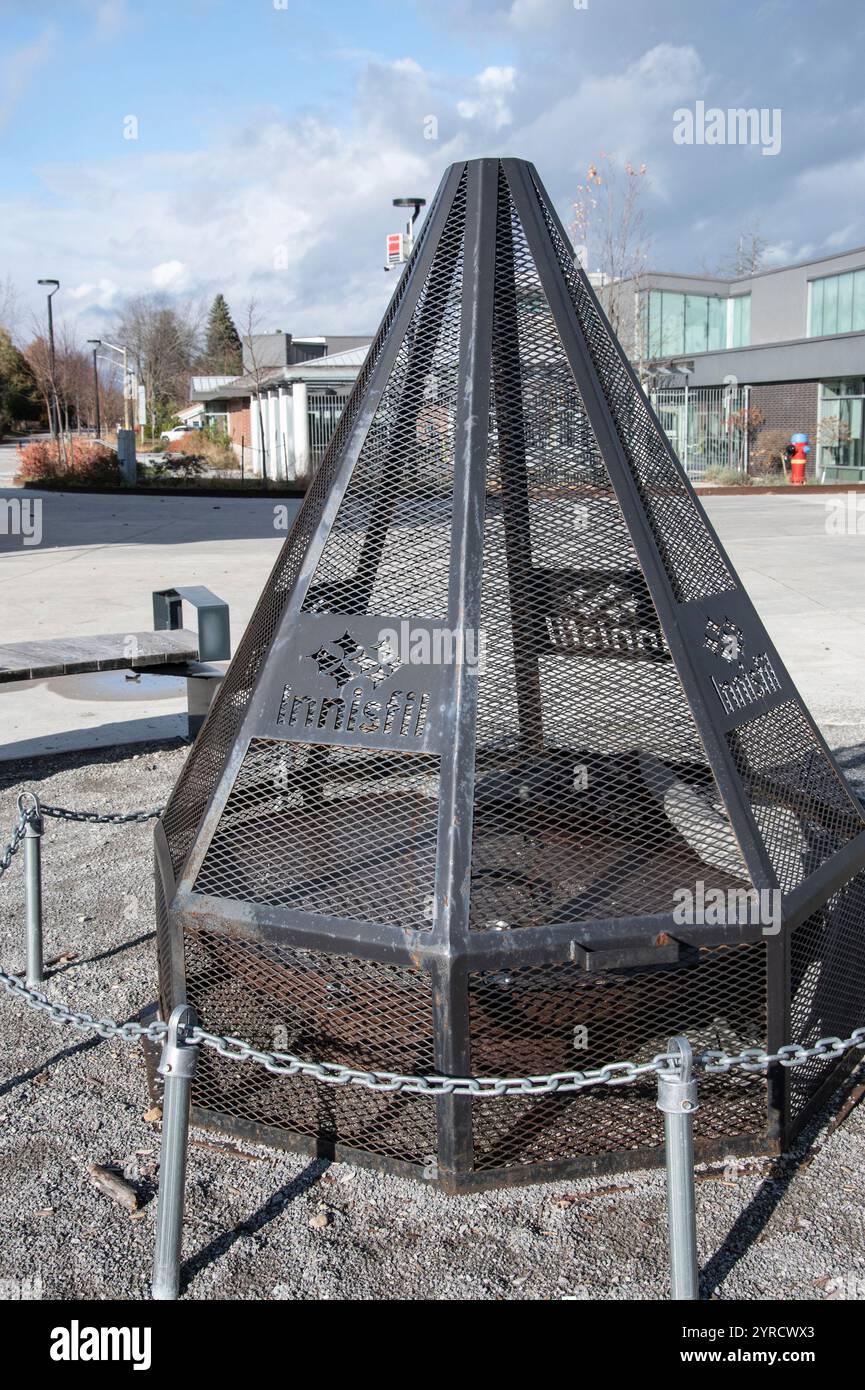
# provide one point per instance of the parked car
(178, 431)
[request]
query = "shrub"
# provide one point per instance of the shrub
(726, 477)
(768, 452)
(80, 462)
(172, 470)
(213, 452)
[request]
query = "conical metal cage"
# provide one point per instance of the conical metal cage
(506, 777)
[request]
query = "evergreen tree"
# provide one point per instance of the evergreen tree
(19, 394)
(224, 351)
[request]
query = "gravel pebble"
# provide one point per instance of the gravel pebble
(288, 1227)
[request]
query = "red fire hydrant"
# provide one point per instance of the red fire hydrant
(799, 458)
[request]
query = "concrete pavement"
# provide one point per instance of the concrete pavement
(8, 464)
(101, 557)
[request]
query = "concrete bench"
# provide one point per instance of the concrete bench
(169, 650)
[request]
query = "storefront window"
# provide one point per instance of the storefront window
(840, 425)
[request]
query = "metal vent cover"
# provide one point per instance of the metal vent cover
(502, 707)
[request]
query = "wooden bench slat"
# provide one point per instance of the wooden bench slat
(61, 656)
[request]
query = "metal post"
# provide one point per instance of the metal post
(677, 1098)
(98, 434)
(35, 974)
(177, 1066)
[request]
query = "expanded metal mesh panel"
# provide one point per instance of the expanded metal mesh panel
(689, 552)
(162, 942)
(208, 755)
(593, 797)
(324, 829)
(571, 752)
(558, 1017)
(803, 808)
(388, 550)
(827, 970)
(335, 1008)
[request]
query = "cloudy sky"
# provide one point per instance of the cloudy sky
(269, 136)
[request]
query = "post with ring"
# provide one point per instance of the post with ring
(677, 1098)
(28, 805)
(177, 1066)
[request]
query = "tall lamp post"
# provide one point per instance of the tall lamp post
(53, 403)
(97, 342)
(123, 353)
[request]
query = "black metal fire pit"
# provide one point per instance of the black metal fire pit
(506, 762)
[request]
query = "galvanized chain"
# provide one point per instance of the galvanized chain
(85, 1023)
(109, 818)
(335, 1074)
(14, 842)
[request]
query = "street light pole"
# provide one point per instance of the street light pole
(97, 342)
(53, 403)
(123, 353)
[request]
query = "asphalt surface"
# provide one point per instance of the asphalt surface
(100, 558)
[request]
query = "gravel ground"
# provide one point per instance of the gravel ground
(265, 1225)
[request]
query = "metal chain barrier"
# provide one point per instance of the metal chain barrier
(335, 1074)
(181, 1039)
(94, 818)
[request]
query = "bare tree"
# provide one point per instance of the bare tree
(747, 258)
(37, 355)
(162, 341)
(609, 222)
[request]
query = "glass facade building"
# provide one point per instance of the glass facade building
(676, 323)
(836, 304)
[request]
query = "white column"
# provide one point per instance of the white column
(300, 431)
(255, 436)
(285, 457)
(270, 436)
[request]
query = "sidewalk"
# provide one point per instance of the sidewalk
(101, 557)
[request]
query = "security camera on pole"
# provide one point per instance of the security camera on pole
(399, 244)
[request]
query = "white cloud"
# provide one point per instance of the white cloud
(110, 17)
(491, 87)
(169, 275)
(295, 211)
(531, 14)
(20, 67)
(102, 294)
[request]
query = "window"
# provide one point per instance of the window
(840, 442)
(837, 304)
(740, 328)
(674, 323)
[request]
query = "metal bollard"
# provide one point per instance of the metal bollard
(177, 1065)
(677, 1098)
(35, 973)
